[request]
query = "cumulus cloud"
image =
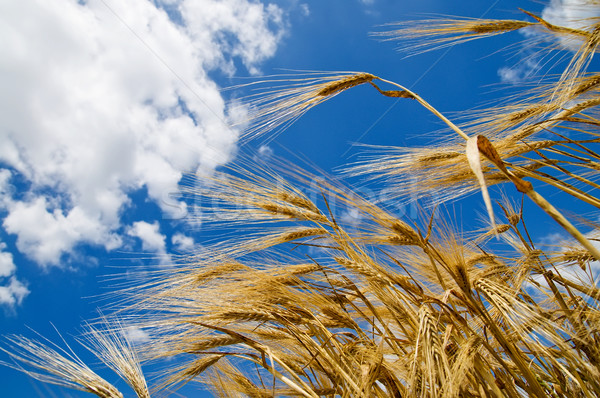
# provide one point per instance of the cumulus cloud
(248, 22)
(102, 98)
(263, 154)
(572, 13)
(7, 266)
(13, 293)
(149, 234)
(152, 240)
(520, 72)
(46, 232)
(135, 335)
(5, 188)
(182, 242)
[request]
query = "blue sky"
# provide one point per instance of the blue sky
(106, 104)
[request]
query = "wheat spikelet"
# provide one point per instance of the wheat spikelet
(289, 97)
(273, 334)
(405, 231)
(297, 201)
(432, 34)
(484, 258)
(252, 315)
(213, 342)
(361, 268)
(496, 26)
(460, 370)
(244, 385)
(56, 368)
(284, 211)
(187, 372)
(399, 240)
(429, 356)
(115, 351)
(578, 256)
(206, 274)
(344, 84)
(586, 84)
(301, 233)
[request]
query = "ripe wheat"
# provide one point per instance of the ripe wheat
(384, 307)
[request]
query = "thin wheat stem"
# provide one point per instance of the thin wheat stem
(428, 107)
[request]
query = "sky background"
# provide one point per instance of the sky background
(106, 104)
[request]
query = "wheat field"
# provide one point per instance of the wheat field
(386, 307)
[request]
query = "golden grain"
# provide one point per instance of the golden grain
(303, 233)
(338, 86)
(497, 26)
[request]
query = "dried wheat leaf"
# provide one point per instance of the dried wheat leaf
(475, 164)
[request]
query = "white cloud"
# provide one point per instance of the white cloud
(152, 239)
(520, 72)
(578, 14)
(135, 335)
(367, 2)
(13, 293)
(5, 187)
(100, 98)
(265, 150)
(7, 266)
(509, 75)
(45, 232)
(304, 9)
(264, 153)
(183, 242)
(247, 21)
